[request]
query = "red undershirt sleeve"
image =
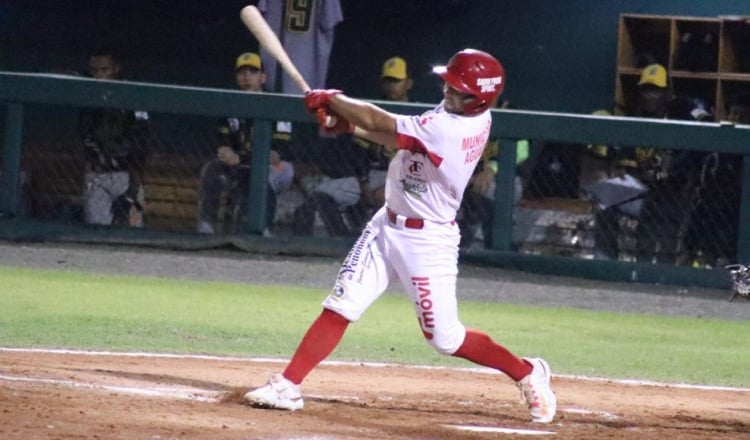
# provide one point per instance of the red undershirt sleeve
(404, 142)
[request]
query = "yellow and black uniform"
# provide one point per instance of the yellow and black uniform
(115, 147)
(219, 178)
(670, 176)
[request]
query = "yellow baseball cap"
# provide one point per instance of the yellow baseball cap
(394, 67)
(248, 59)
(654, 74)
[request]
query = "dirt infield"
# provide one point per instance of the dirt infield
(65, 396)
(55, 395)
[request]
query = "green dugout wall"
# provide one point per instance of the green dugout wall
(19, 90)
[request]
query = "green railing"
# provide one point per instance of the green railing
(19, 89)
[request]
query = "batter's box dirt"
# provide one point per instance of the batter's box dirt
(66, 396)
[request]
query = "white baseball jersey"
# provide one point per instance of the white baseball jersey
(438, 152)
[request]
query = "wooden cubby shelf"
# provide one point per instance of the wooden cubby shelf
(714, 66)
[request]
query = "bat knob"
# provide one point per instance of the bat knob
(331, 121)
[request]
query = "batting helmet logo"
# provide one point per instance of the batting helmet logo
(476, 73)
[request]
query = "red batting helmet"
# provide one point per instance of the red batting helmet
(476, 73)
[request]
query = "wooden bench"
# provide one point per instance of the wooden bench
(171, 184)
(555, 226)
(171, 204)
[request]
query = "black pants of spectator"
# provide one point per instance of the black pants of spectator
(607, 232)
(221, 180)
(666, 208)
(476, 211)
(713, 231)
(711, 238)
(331, 214)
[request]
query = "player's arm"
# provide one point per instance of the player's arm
(388, 140)
(371, 122)
(363, 114)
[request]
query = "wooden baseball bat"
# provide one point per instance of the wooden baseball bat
(255, 22)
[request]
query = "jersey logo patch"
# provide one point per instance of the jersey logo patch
(415, 167)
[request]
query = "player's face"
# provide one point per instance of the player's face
(396, 89)
(103, 67)
(454, 100)
(250, 79)
(653, 100)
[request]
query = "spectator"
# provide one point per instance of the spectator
(668, 177)
(395, 80)
(334, 191)
(613, 192)
(115, 150)
(228, 175)
(711, 237)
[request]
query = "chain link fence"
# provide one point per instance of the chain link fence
(571, 199)
(673, 207)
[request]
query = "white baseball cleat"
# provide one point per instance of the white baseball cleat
(536, 392)
(278, 393)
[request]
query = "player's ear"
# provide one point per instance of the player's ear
(409, 83)
(262, 77)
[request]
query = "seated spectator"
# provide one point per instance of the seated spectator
(668, 178)
(334, 192)
(227, 177)
(712, 234)
(115, 150)
(395, 80)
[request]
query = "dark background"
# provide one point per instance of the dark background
(559, 55)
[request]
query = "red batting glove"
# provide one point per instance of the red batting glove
(331, 123)
(319, 98)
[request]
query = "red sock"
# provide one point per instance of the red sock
(481, 349)
(320, 340)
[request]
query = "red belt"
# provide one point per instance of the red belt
(411, 223)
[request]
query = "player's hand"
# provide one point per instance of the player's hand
(319, 98)
(331, 123)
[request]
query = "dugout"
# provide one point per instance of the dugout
(20, 92)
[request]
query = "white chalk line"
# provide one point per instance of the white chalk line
(499, 430)
(170, 392)
(631, 382)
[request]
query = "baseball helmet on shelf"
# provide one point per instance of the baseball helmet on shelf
(476, 73)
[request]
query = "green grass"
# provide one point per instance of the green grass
(40, 308)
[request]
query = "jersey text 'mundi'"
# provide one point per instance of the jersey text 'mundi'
(478, 140)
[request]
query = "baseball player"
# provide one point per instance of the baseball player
(414, 237)
(116, 148)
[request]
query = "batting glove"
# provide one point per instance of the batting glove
(332, 124)
(319, 98)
